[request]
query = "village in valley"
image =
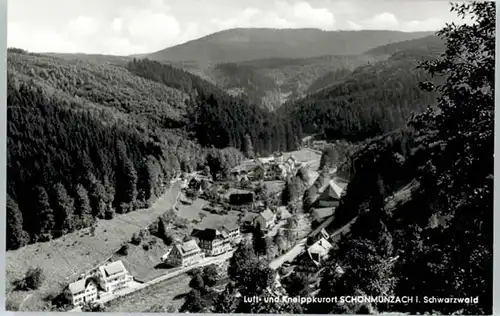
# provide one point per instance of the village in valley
(211, 217)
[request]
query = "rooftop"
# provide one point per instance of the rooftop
(321, 213)
(114, 267)
(188, 246)
(319, 248)
(332, 190)
(77, 286)
(267, 214)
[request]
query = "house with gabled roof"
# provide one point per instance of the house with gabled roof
(212, 242)
(319, 215)
(83, 291)
(185, 254)
(330, 197)
(310, 261)
(114, 276)
(233, 231)
(265, 219)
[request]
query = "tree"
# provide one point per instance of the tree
(16, 236)
(243, 256)
(290, 191)
(328, 158)
(32, 280)
(248, 147)
(365, 271)
(45, 214)
(126, 181)
(64, 208)
(210, 275)
(259, 241)
(82, 207)
(225, 302)
(462, 164)
(97, 197)
(197, 283)
(290, 233)
(298, 285)
(193, 303)
(280, 241)
(309, 198)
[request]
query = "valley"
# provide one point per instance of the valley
(254, 162)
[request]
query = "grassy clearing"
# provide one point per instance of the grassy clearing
(145, 265)
(64, 259)
(303, 155)
(161, 293)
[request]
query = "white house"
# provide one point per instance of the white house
(233, 231)
(310, 262)
(265, 219)
(114, 276)
(83, 291)
(185, 254)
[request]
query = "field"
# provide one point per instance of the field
(145, 265)
(304, 155)
(206, 219)
(161, 293)
(64, 259)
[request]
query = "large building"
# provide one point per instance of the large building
(233, 231)
(212, 242)
(330, 197)
(185, 254)
(320, 215)
(114, 276)
(83, 291)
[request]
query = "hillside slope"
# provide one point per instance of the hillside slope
(371, 100)
(237, 45)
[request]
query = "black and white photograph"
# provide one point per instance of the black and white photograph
(250, 156)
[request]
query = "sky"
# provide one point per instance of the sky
(124, 27)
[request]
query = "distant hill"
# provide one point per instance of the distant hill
(429, 44)
(373, 99)
(243, 44)
(273, 81)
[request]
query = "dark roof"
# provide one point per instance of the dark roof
(208, 234)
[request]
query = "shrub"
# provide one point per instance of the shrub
(123, 250)
(136, 239)
(32, 280)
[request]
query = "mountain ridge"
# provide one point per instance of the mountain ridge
(243, 44)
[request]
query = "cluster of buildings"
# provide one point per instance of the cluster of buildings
(106, 279)
(204, 243)
(267, 169)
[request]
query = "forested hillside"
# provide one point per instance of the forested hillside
(371, 100)
(433, 44)
(423, 195)
(244, 44)
(218, 119)
(88, 139)
(271, 82)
